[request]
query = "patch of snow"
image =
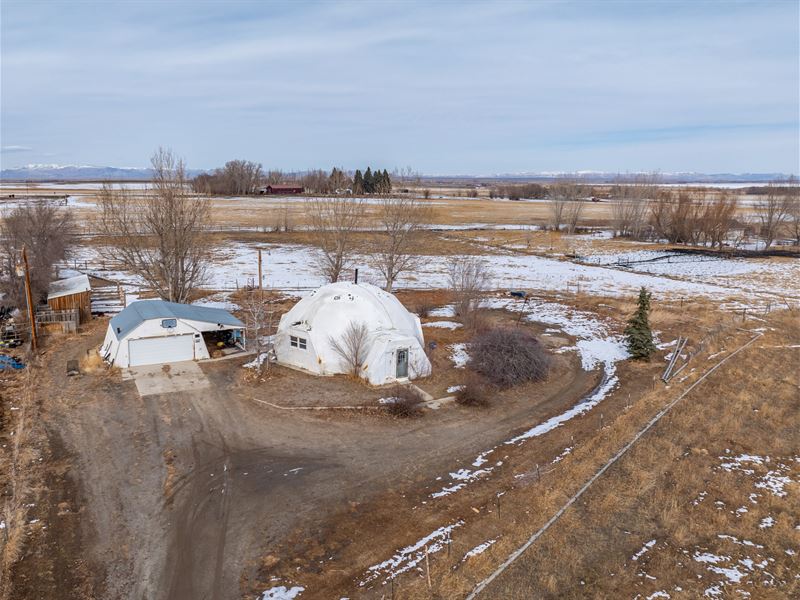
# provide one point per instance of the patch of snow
(454, 388)
(459, 355)
(561, 456)
(281, 592)
(766, 523)
(443, 311)
(409, 557)
(479, 549)
(443, 324)
(658, 594)
(257, 362)
(643, 550)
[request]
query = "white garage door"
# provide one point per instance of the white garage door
(153, 351)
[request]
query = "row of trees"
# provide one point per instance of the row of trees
(236, 178)
(372, 183)
(337, 221)
(243, 177)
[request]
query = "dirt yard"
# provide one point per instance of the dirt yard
(178, 495)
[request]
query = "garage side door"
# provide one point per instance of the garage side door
(153, 351)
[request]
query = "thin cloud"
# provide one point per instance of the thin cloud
(14, 149)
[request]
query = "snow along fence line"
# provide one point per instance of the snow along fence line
(521, 550)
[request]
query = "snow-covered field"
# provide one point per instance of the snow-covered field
(292, 267)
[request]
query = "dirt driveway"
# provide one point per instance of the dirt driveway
(184, 491)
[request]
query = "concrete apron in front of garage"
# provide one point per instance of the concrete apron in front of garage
(167, 378)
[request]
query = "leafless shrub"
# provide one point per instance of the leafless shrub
(159, 236)
(424, 308)
(426, 193)
(406, 402)
(335, 222)
(468, 278)
(507, 356)
(399, 219)
(352, 347)
(46, 232)
(474, 392)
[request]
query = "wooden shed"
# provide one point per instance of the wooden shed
(74, 292)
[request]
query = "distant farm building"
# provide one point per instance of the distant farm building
(272, 190)
(393, 344)
(71, 293)
(151, 332)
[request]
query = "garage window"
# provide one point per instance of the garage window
(169, 323)
(297, 342)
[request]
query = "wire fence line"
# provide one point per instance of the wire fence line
(478, 589)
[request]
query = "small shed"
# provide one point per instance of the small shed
(151, 332)
(71, 293)
(393, 346)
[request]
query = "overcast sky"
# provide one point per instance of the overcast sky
(445, 87)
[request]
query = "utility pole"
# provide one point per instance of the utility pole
(260, 280)
(29, 297)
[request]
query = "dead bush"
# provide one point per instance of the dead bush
(424, 308)
(507, 356)
(474, 392)
(406, 403)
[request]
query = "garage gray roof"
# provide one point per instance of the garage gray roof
(140, 311)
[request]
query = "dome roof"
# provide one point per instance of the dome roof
(329, 310)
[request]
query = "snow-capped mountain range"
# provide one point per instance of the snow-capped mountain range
(54, 172)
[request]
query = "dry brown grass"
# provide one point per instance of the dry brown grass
(20, 470)
(748, 406)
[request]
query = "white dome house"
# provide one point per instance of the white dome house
(393, 346)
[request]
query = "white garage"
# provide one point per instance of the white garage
(151, 332)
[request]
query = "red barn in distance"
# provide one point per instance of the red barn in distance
(281, 189)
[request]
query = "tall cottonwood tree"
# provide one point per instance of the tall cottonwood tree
(46, 232)
(159, 235)
(400, 220)
(335, 222)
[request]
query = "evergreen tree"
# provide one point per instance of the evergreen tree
(358, 182)
(387, 182)
(637, 333)
(369, 181)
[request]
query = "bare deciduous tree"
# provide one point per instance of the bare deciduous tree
(632, 196)
(565, 206)
(335, 221)
(259, 319)
(46, 232)
(158, 236)
(400, 220)
(352, 347)
(468, 277)
(772, 212)
(690, 219)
